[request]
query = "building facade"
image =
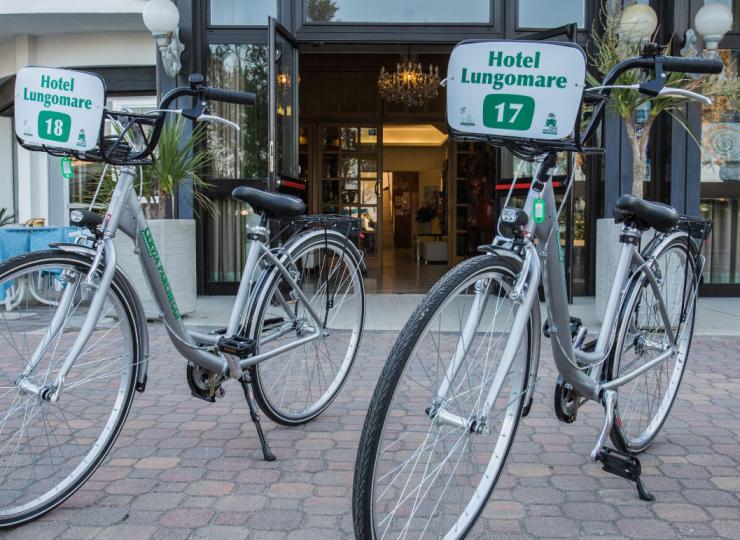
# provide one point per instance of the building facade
(346, 150)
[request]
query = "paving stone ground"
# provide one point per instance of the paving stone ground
(186, 469)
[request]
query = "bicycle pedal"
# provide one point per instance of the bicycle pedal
(626, 466)
(238, 346)
(575, 326)
(528, 407)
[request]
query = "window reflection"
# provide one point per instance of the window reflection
(242, 13)
(238, 154)
(392, 11)
(540, 13)
(720, 180)
(721, 133)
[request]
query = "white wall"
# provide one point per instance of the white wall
(75, 50)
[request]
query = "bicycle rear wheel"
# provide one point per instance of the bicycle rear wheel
(416, 474)
(297, 385)
(48, 449)
(643, 404)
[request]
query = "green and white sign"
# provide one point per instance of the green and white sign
(518, 89)
(59, 108)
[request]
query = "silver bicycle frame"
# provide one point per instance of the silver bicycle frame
(125, 214)
(542, 259)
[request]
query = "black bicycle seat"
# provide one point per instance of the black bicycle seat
(645, 214)
(275, 204)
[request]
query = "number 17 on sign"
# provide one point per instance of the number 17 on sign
(508, 111)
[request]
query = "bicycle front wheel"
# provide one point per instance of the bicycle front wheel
(643, 403)
(424, 469)
(297, 385)
(49, 448)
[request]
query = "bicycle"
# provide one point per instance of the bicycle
(462, 372)
(69, 370)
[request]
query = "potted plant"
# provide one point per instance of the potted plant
(6, 218)
(624, 31)
(178, 157)
(424, 216)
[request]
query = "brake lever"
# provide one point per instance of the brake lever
(688, 94)
(218, 119)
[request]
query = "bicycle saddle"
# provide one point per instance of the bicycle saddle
(645, 214)
(275, 204)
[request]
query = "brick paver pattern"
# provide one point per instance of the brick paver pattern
(184, 468)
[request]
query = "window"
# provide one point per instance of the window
(541, 13)
(721, 134)
(240, 154)
(83, 186)
(393, 11)
(720, 183)
(242, 12)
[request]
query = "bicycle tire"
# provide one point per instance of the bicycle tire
(123, 294)
(388, 383)
(303, 246)
(619, 434)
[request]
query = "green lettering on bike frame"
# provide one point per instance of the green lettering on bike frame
(151, 249)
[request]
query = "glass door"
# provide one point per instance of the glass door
(350, 180)
(282, 106)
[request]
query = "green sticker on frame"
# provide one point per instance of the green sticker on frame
(66, 165)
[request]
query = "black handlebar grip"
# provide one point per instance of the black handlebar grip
(230, 96)
(692, 65)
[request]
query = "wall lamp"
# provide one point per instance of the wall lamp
(712, 22)
(161, 18)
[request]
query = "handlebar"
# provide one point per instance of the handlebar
(201, 93)
(692, 65)
(230, 96)
(659, 63)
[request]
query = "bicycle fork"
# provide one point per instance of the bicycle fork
(523, 293)
(51, 391)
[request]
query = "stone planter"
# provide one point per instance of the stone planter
(607, 256)
(608, 249)
(175, 239)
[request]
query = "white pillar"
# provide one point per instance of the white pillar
(33, 167)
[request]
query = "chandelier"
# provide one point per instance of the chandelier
(409, 84)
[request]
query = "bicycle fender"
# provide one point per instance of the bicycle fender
(356, 253)
(138, 309)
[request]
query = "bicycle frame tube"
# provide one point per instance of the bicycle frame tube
(125, 214)
(567, 358)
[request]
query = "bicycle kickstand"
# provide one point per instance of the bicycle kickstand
(246, 382)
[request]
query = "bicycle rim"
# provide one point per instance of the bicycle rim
(49, 448)
(643, 404)
(431, 478)
(297, 385)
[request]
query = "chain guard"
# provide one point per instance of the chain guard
(204, 384)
